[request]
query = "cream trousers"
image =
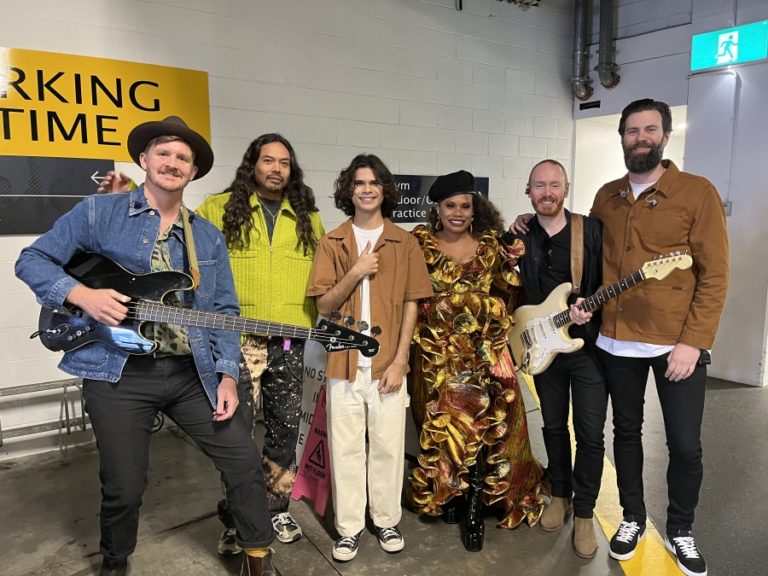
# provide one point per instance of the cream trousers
(352, 408)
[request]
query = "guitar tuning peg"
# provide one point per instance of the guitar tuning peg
(376, 330)
(362, 326)
(335, 316)
(349, 321)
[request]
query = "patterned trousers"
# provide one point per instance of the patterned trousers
(274, 375)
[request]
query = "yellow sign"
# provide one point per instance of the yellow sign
(67, 106)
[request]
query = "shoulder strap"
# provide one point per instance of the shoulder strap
(191, 253)
(577, 251)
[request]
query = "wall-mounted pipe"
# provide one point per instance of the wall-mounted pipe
(607, 69)
(581, 83)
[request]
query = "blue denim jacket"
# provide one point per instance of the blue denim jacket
(123, 227)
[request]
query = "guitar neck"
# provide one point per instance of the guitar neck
(151, 311)
(601, 297)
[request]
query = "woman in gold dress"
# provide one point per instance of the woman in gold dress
(465, 396)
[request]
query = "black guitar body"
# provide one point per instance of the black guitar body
(67, 329)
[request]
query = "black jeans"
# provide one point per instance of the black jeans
(682, 405)
(580, 377)
(122, 414)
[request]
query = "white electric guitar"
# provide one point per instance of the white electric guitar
(541, 332)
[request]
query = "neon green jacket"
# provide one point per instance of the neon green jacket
(271, 281)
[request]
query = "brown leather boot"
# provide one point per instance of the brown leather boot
(584, 539)
(253, 566)
(554, 516)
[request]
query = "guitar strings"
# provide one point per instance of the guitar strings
(141, 310)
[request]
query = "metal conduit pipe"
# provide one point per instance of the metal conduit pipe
(607, 69)
(581, 83)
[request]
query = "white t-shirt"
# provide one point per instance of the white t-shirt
(629, 348)
(363, 236)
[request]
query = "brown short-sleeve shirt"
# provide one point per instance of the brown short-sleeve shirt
(402, 277)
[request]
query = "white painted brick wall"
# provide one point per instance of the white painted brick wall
(428, 88)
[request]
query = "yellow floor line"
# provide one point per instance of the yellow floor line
(651, 558)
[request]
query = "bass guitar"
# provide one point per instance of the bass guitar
(69, 328)
(541, 332)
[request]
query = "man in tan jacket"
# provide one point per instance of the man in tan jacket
(666, 326)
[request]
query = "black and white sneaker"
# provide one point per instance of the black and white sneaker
(346, 547)
(625, 541)
(286, 528)
(390, 539)
(683, 547)
(228, 545)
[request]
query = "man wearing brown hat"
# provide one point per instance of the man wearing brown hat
(192, 372)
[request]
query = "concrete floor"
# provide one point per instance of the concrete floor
(49, 512)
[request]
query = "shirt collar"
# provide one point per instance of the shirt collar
(663, 187)
(285, 205)
(345, 231)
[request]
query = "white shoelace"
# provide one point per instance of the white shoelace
(389, 534)
(627, 531)
(687, 546)
(348, 542)
(282, 519)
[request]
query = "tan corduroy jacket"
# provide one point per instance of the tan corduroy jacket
(681, 212)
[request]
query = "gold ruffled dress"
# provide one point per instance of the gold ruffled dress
(465, 394)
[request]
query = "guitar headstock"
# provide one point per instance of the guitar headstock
(335, 338)
(659, 268)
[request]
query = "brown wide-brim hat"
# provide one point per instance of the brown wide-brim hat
(142, 134)
(461, 182)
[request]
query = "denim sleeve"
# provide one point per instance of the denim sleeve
(225, 343)
(41, 265)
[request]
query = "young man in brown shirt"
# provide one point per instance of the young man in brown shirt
(374, 271)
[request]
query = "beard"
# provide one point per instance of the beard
(640, 163)
(549, 209)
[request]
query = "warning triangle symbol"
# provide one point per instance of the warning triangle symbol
(318, 455)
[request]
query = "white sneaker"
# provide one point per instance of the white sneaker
(286, 528)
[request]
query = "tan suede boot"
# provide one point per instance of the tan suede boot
(554, 516)
(584, 539)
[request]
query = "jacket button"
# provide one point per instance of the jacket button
(629, 248)
(621, 308)
(145, 241)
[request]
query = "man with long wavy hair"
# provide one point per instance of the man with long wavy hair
(272, 227)
(372, 270)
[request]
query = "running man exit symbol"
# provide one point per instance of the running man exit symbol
(728, 45)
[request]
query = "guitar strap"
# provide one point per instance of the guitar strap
(577, 251)
(194, 269)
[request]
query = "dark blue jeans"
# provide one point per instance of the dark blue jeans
(579, 377)
(682, 405)
(122, 414)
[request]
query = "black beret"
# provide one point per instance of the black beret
(461, 182)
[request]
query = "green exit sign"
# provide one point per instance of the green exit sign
(730, 46)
